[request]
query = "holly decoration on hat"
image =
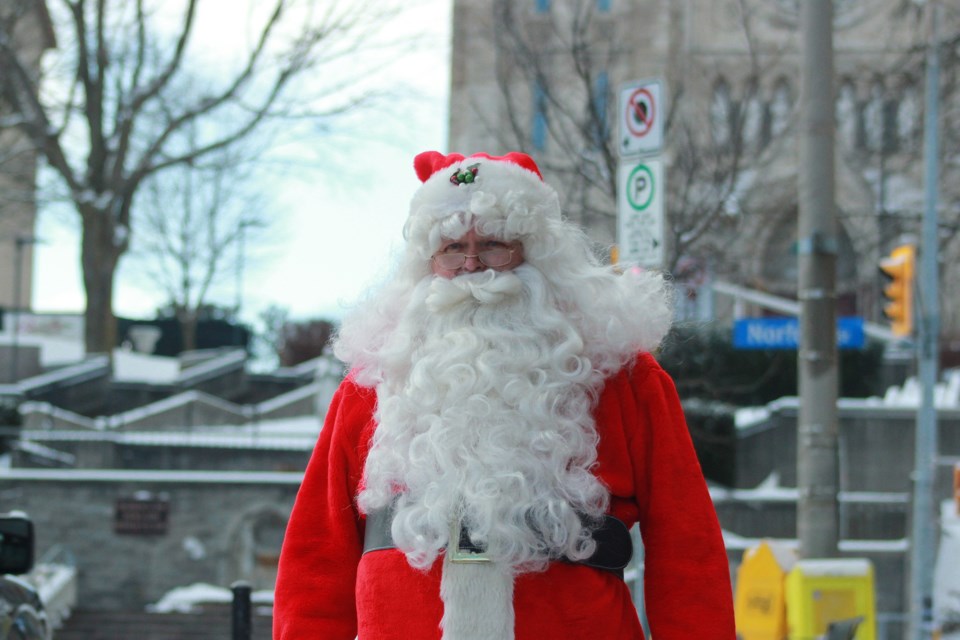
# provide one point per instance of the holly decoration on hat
(465, 176)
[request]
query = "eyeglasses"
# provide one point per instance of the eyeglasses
(491, 258)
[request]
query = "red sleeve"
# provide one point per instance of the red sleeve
(314, 595)
(686, 574)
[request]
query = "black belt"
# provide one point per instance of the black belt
(613, 551)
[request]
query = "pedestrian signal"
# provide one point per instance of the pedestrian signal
(898, 270)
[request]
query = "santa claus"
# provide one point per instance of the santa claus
(503, 425)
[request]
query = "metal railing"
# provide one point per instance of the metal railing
(55, 578)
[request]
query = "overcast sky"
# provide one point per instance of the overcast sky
(333, 229)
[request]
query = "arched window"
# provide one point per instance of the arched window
(847, 116)
(780, 107)
(721, 114)
(779, 266)
(256, 547)
(753, 131)
(538, 130)
(599, 126)
(908, 118)
(873, 124)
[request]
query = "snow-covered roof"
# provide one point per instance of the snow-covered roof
(256, 415)
(735, 542)
(78, 372)
(289, 434)
(770, 491)
(906, 398)
(130, 366)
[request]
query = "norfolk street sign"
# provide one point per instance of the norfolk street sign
(784, 333)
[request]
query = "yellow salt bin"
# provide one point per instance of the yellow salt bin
(760, 598)
(829, 590)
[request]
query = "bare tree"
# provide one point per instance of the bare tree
(269, 339)
(302, 341)
(730, 151)
(565, 55)
(293, 341)
(194, 223)
(120, 103)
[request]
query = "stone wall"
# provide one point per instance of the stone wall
(219, 527)
(876, 462)
(876, 446)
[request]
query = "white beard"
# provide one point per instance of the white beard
(492, 425)
(485, 387)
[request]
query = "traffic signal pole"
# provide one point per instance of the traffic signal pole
(817, 462)
(923, 529)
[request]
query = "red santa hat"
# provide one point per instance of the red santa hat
(506, 195)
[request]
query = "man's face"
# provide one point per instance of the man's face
(480, 252)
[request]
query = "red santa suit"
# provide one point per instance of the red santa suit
(328, 589)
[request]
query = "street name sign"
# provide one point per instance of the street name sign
(784, 333)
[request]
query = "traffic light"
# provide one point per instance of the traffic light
(898, 270)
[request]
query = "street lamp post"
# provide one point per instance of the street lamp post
(19, 243)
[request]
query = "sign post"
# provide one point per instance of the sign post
(640, 183)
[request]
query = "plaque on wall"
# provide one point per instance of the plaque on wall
(141, 515)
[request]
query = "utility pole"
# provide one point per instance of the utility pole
(817, 462)
(923, 529)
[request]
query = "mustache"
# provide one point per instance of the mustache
(486, 288)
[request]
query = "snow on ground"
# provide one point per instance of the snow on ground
(946, 394)
(189, 598)
(130, 366)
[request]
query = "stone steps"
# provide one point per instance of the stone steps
(130, 625)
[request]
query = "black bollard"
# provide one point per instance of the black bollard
(241, 613)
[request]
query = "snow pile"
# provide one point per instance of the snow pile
(188, 599)
(847, 567)
(946, 394)
(57, 587)
(130, 366)
(749, 416)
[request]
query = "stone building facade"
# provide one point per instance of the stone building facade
(543, 76)
(876, 460)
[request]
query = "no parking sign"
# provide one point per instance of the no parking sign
(641, 117)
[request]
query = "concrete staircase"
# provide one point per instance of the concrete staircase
(210, 624)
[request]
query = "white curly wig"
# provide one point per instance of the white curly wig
(486, 382)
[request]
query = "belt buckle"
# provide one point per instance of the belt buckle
(460, 554)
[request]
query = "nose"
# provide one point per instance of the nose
(472, 263)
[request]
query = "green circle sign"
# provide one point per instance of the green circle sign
(640, 187)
